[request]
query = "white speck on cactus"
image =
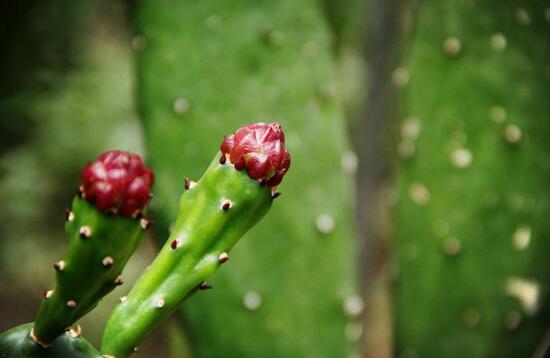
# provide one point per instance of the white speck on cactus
(354, 305)
(498, 41)
(419, 193)
(512, 134)
(70, 216)
(526, 291)
(411, 128)
(522, 237)
(107, 261)
(252, 300)
(452, 246)
(59, 265)
(452, 46)
(123, 299)
(85, 232)
(498, 114)
(181, 105)
(325, 223)
(71, 303)
(523, 17)
(349, 162)
(400, 77)
(160, 303)
(461, 157)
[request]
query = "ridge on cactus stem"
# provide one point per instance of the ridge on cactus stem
(213, 215)
(117, 182)
(258, 148)
(104, 227)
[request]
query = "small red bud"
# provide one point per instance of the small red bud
(260, 149)
(117, 182)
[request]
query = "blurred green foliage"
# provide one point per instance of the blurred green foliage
(471, 224)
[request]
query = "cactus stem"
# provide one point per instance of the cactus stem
(119, 281)
(160, 303)
(204, 286)
(145, 224)
(69, 215)
(71, 303)
(108, 261)
(123, 299)
(223, 159)
(36, 340)
(188, 184)
(223, 258)
(47, 293)
(59, 265)
(175, 244)
(227, 204)
(85, 232)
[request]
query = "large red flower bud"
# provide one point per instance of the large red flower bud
(260, 149)
(117, 182)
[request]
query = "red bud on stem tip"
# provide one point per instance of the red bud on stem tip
(117, 182)
(260, 149)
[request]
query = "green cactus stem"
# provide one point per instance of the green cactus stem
(17, 343)
(213, 215)
(104, 229)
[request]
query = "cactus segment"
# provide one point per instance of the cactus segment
(223, 205)
(17, 343)
(99, 247)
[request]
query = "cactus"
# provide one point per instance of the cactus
(104, 228)
(17, 343)
(472, 219)
(203, 68)
(235, 192)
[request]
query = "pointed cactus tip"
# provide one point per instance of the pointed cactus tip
(69, 215)
(260, 149)
(188, 183)
(117, 182)
(145, 223)
(205, 286)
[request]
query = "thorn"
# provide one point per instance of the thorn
(136, 214)
(175, 244)
(69, 215)
(123, 299)
(136, 349)
(227, 204)
(75, 332)
(108, 261)
(223, 159)
(47, 293)
(59, 265)
(145, 224)
(119, 281)
(275, 195)
(223, 258)
(160, 303)
(80, 192)
(85, 232)
(71, 303)
(204, 286)
(188, 184)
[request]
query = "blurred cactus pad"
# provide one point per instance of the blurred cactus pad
(204, 69)
(471, 224)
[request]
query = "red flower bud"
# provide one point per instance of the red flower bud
(117, 182)
(260, 149)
